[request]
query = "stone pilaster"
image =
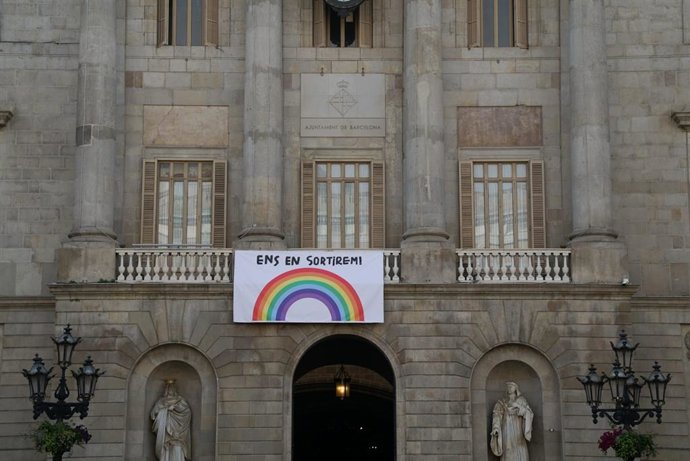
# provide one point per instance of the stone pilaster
(426, 242)
(263, 127)
(89, 254)
(598, 256)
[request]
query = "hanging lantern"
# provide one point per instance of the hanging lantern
(342, 383)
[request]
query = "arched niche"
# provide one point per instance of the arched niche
(538, 382)
(195, 380)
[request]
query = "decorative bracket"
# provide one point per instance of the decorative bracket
(5, 117)
(682, 119)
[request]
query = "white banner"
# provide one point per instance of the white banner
(308, 286)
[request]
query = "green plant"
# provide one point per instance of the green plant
(631, 444)
(58, 438)
(627, 443)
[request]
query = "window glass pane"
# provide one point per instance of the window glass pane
(335, 216)
(349, 214)
(321, 170)
(364, 215)
(507, 170)
(193, 170)
(504, 22)
(163, 212)
(492, 211)
(507, 224)
(335, 170)
(207, 170)
(164, 170)
(322, 215)
(521, 169)
(196, 22)
(479, 227)
(478, 170)
(206, 206)
(363, 170)
(522, 217)
(191, 212)
(350, 170)
(178, 169)
(493, 170)
(488, 22)
(178, 210)
(181, 22)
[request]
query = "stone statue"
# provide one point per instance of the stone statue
(511, 426)
(172, 419)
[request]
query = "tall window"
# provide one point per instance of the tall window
(343, 24)
(187, 22)
(497, 23)
(342, 204)
(184, 203)
(502, 205)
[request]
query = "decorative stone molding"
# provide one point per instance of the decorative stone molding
(5, 117)
(682, 119)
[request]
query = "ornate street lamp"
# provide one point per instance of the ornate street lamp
(86, 378)
(625, 388)
(342, 383)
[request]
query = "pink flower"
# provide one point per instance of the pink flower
(608, 439)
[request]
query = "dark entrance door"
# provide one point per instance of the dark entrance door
(360, 427)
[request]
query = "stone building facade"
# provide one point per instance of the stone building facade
(579, 106)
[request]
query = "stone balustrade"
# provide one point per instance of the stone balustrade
(514, 266)
(189, 264)
(174, 264)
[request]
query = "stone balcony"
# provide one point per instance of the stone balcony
(197, 264)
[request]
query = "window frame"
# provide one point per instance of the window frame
(362, 18)
(535, 201)
(309, 202)
(518, 23)
(167, 23)
(150, 210)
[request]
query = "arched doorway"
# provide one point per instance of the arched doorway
(360, 426)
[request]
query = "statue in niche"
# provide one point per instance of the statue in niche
(172, 420)
(511, 426)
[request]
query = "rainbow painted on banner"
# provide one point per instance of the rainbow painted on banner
(333, 291)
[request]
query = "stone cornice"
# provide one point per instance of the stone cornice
(661, 302)
(27, 302)
(79, 291)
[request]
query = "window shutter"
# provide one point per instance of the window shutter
(465, 213)
(162, 23)
(472, 24)
(212, 22)
(520, 18)
(148, 202)
(219, 186)
(378, 205)
(319, 23)
(366, 24)
(308, 205)
(537, 204)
